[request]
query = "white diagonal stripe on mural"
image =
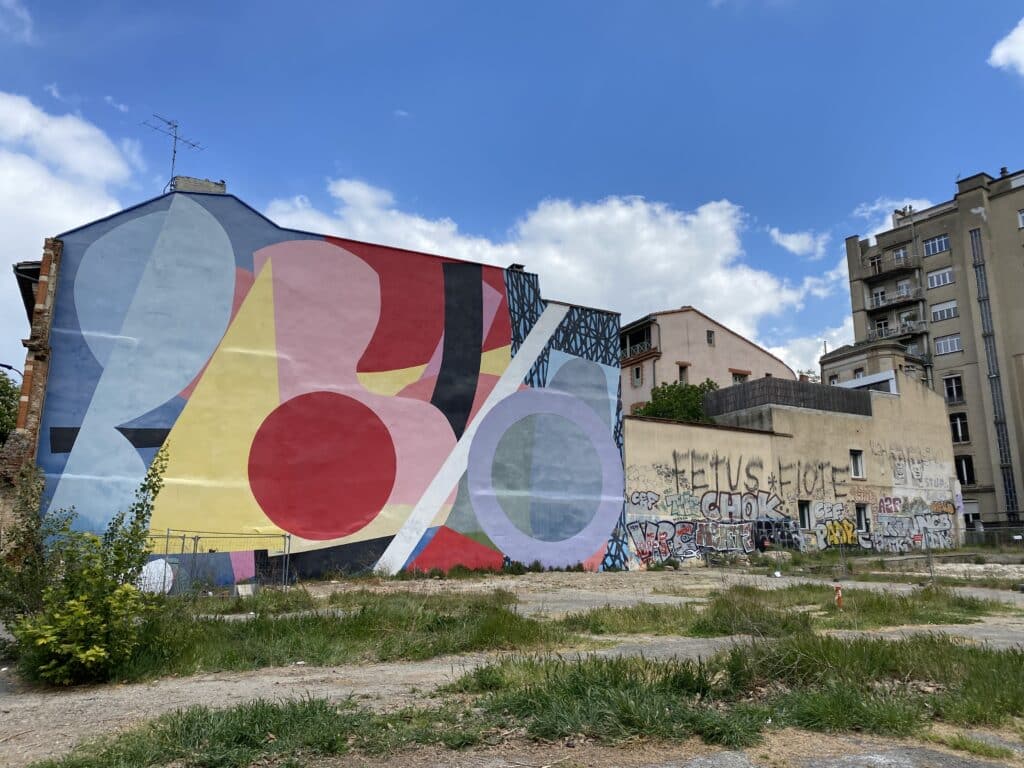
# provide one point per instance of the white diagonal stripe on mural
(447, 478)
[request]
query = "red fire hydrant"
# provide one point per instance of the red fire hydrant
(839, 596)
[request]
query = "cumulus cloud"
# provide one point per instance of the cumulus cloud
(878, 214)
(803, 352)
(54, 91)
(627, 254)
(1008, 53)
(805, 243)
(58, 173)
(15, 21)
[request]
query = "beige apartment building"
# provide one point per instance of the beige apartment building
(686, 345)
(945, 283)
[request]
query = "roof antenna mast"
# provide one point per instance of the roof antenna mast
(170, 128)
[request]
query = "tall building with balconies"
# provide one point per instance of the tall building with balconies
(686, 345)
(946, 283)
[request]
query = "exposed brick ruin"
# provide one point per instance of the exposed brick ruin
(21, 444)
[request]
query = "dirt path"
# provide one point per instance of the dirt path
(36, 724)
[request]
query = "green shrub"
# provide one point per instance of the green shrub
(91, 612)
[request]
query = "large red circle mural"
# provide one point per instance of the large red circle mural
(322, 465)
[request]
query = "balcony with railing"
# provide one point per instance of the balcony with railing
(881, 265)
(901, 296)
(636, 349)
(906, 328)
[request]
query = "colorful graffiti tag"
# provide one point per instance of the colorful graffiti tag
(389, 409)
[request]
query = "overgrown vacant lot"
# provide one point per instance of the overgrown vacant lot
(576, 674)
(353, 626)
(812, 682)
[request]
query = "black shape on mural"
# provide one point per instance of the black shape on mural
(145, 437)
(62, 439)
(357, 557)
(463, 330)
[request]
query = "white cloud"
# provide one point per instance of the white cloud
(401, 113)
(627, 254)
(69, 144)
(57, 174)
(15, 21)
(878, 214)
(110, 101)
(54, 91)
(1008, 53)
(805, 243)
(802, 353)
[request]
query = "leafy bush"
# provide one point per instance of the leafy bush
(90, 610)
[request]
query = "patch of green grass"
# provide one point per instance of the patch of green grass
(374, 626)
(838, 707)
(266, 601)
(964, 743)
(643, 618)
(744, 610)
(240, 735)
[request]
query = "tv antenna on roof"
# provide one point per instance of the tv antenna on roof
(170, 128)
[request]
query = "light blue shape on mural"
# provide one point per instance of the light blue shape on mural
(601, 392)
(174, 306)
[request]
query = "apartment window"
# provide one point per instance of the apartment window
(858, 373)
(833, 380)
(767, 375)
(739, 378)
(877, 297)
(1020, 219)
(954, 386)
(881, 327)
(863, 522)
(958, 426)
(711, 338)
(913, 349)
(903, 288)
(857, 464)
(638, 375)
(875, 264)
(934, 245)
(805, 513)
(940, 277)
(899, 254)
(944, 311)
(684, 374)
(944, 345)
(964, 469)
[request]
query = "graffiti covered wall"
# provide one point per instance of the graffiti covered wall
(387, 408)
(693, 489)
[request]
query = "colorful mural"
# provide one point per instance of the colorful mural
(388, 409)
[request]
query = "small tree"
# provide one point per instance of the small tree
(678, 401)
(9, 396)
(89, 612)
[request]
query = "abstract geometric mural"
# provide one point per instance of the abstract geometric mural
(387, 408)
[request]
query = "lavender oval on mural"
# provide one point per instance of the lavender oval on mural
(486, 498)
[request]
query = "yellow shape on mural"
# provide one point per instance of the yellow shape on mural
(206, 486)
(390, 383)
(496, 361)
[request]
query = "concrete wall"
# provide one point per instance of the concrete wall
(388, 409)
(696, 488)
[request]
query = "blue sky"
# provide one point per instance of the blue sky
(638, 156)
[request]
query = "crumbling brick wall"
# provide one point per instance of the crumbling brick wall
(21, 444)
